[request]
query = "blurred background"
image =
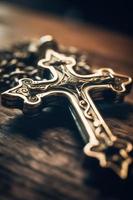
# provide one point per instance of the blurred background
(113, 15)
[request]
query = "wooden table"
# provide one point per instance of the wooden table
(42, 158)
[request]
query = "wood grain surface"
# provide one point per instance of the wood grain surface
(41, 157)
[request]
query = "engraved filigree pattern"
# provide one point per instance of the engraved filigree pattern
(111, 151)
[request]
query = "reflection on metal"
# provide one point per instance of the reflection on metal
(64, 85)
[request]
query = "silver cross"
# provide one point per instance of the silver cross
(65, 86)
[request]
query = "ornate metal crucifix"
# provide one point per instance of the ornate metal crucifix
(64, 85)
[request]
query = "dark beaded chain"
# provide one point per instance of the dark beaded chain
(17, 62)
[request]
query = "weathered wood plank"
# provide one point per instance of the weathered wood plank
(42, 157)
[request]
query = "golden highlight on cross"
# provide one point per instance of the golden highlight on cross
(61, 84)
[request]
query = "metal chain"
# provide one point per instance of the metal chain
(15, 63)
